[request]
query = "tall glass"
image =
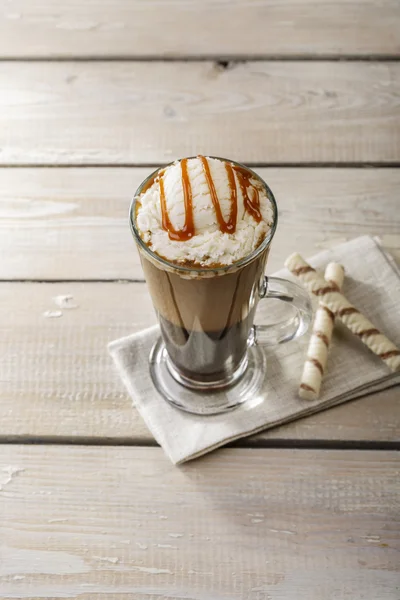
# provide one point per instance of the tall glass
(208, 338)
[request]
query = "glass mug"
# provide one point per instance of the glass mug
(209, 357)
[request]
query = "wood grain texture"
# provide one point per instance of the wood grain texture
(178, 28)
(240, 524)
(146, 113)
(58, 381)
(58, 223)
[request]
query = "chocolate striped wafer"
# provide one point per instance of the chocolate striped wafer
(317, 354)
(331, 297)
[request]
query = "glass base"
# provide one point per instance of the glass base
(243, 386)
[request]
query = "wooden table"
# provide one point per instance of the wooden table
(92, 96)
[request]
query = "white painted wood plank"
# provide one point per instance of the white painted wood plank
(58, 381)
(58, 223)
(257, 524)
(146, 113)
(198, 28)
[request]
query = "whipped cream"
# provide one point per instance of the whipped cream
(208, 246)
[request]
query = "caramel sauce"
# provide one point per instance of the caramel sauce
(187, 232)
(224, 226)
(233, 190)
(251, 204)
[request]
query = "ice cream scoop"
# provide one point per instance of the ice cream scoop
(204, 211)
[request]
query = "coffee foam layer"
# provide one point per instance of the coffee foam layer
(209, 246)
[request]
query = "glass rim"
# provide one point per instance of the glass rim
(199, 269)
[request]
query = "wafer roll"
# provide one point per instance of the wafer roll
(331, 297)
(317, 353)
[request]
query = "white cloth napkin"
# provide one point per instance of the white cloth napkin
(372, 283)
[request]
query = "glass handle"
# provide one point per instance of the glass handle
(290, 328)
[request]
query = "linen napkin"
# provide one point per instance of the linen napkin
(372, 283)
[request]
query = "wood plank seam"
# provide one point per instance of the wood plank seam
(218, 59)
(246, 442)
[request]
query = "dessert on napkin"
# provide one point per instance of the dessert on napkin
(372, 284)
(203, 228)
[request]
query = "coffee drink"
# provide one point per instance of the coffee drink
(205, 322)
(203, 225)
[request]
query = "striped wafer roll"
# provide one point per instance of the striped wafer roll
(331, 297)
(317, 354)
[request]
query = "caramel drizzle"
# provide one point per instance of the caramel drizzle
(224, 226)
(187, 232)
(251, 205)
